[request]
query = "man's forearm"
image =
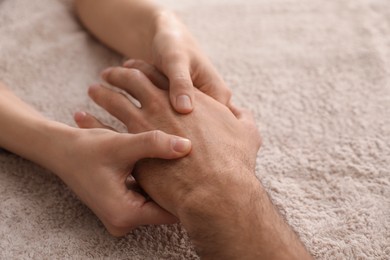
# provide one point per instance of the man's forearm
(127, 26)
(213, 190)
(240, 223)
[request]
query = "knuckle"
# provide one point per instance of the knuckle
(181, 81)
(225, 93)
(123, 75)
(118, 222)
(153, 137)
(103, 97)
(141, 124)
(109, 99)
(136, 63)
(174, 56)
(138, 124)
(116, 232)
(217, 89)
(156, 136)
(147, 69)
(112, 74)
(132, 74)
(156, 102)
(142, 66)
(94, 92)
(154, 106)
(118, 225)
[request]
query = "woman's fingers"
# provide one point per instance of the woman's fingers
(152, 214)
(150, 71)
(153, 144)
(85, 120)
(135, 211)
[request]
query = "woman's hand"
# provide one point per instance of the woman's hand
(96, 164)
(143, 30)
(176, 53)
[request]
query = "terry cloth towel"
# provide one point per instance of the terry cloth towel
(315, 73)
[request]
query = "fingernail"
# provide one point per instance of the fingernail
(93, 88)
(105, 73)
(181, 145)
(79, 116)
(183, 102)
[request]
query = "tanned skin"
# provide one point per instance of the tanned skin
(213, 191)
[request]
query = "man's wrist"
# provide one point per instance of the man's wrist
(211, 200)
(213, 216)
(240, 222)
(235, 189)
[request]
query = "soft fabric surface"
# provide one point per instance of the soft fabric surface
(315, 73)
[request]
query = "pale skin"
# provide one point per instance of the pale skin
(79, 158)
(144, 30)
(211, 188)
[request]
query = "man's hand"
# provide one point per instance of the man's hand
(222, 142)
(213, 190)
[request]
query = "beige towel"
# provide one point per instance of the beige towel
(316, 74)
